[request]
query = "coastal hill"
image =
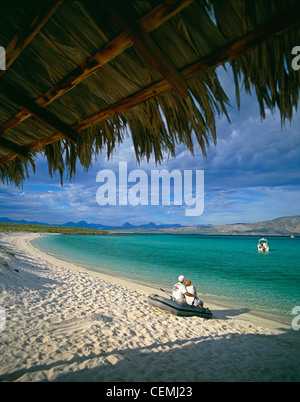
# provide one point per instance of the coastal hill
(284, 226)
(44, 228)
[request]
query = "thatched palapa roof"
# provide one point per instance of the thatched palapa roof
(81, 75)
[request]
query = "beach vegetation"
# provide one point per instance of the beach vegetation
(24, 227)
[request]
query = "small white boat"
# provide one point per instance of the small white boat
(263, 246)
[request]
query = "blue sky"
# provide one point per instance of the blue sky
(252, 174)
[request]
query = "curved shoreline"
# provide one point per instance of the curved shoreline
(67, 323)
(252, 315)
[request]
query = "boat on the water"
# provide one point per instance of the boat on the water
(263, 246)
(178, 309)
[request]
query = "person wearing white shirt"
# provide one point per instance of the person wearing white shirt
(180, 292)
(192, 301)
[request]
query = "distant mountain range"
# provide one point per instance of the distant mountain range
(284, 226)
(96, 226)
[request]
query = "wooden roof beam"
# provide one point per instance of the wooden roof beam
(26, 103)
(150, 21)
(12, 147)
(139, 36)
(29, 147)
(27, 33)
(213, 60)
(16, 46)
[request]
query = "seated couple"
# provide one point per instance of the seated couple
(184, 292)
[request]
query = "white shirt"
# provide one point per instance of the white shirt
(178, 292)
(190, 300)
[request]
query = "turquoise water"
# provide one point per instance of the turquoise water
(224, 268)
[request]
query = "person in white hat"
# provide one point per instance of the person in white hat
(180, 291)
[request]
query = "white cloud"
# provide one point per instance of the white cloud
(253, 172)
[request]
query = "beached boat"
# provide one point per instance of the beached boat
(262, 245)
(178, 309)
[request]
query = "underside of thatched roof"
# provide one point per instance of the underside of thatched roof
(81, 75)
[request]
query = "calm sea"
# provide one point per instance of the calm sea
(223, 268)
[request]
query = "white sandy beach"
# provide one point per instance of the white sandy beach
(64, 323)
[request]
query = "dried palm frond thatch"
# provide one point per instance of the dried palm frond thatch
(83, 75)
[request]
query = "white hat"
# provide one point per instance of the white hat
(181, 278)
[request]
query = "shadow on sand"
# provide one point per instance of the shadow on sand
(230, 357)
(225, 314)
